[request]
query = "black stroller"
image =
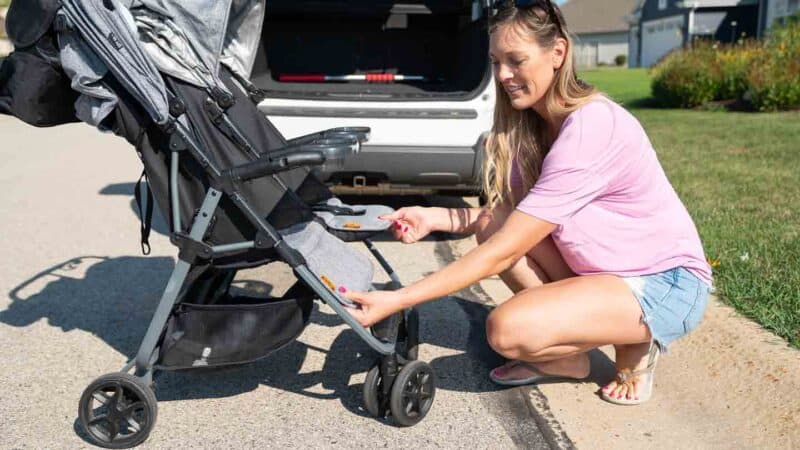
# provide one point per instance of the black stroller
(170, 77)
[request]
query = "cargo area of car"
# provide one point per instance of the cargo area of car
(443, 41)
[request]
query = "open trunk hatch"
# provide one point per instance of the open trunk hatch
(443, 41)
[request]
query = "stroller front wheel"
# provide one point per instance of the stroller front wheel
(412, 393)
(118, 410)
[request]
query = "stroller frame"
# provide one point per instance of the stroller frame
(103, 56)
(193, 247)
(396, 381)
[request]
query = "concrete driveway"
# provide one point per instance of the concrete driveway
(78, 296)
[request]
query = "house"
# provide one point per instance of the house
(659, 26)
(600, 29)
(773, 11)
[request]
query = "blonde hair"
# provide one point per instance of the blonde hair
(521, 134)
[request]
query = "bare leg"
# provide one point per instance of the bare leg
(553, 325)
(544, 264)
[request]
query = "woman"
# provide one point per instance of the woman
(581, 223)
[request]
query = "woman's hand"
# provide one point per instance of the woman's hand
(413, 223)
(375, 305)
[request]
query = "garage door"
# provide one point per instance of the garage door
(586, 54)
(660, 37)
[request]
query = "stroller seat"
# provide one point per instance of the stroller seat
(335, 263)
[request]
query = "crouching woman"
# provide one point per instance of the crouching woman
(581, 223)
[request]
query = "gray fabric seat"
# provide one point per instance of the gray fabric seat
(329, 258)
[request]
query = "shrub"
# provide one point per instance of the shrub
(767, 73)
(774, 76)
(685, 79)
(620, 60)
(733, 63)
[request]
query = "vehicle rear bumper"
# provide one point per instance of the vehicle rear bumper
(406, 168)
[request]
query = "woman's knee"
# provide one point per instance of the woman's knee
(505, 337)
(497, 334)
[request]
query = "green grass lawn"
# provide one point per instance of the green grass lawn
(739, 176)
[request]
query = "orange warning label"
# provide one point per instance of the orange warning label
(331, 285)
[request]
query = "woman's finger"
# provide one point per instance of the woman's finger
(399, 229)
(397, 215)
(357, 297)
(357, 314)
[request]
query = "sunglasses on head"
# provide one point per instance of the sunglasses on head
(546, 5)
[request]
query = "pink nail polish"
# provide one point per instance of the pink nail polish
(342, 289)
(606, 388)
(405, 229)
(398, 226)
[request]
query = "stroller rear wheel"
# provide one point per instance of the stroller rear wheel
(118, 410)
(373, 392)
(412, 393)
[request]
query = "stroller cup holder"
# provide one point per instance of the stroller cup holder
(361, 134)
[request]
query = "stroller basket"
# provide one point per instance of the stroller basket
(236, 330)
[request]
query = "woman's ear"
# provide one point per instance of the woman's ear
(559, 53)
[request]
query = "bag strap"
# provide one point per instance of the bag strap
(146, 220)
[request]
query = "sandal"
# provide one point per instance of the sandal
(625, 378)
(496, 375)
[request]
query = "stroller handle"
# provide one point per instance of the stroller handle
(269, 166)
(314, 154)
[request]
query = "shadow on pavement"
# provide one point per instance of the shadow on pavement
(114, 300)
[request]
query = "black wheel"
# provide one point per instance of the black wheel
(412, 335)
(373, 392)
(412, 393)
(118, 410)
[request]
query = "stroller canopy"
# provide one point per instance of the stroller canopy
(217, 30)
(136, 39)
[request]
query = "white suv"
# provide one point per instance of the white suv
(427, 134)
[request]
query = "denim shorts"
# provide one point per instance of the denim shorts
(673, 303)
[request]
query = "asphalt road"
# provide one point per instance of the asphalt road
(79, 296)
